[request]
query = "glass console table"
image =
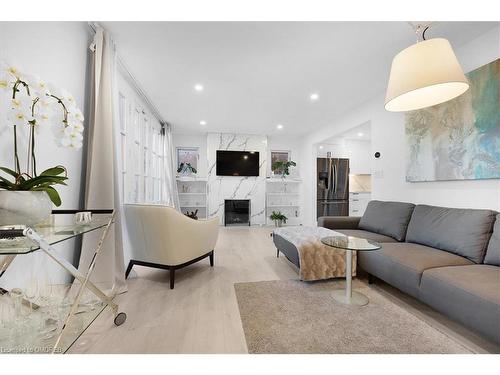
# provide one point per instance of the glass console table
(28, 326)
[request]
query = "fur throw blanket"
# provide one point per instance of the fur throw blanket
(317, 261)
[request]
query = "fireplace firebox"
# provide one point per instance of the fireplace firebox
(236, 212)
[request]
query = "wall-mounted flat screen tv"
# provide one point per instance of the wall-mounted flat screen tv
(237, 163)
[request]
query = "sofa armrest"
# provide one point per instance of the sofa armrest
(339, 222)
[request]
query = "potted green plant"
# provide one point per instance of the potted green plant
(278, 218)
(186, 169)
(30, 105)
(283, 167)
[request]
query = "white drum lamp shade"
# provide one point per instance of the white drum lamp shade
(424, 74)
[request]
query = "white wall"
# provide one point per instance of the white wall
(57, 52)
(389, 139)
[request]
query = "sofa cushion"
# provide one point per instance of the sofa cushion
(366, 234)
(461, 231)
(339, 222)
(389, 218)
(493, 252)
(468, 294)
(402, 264)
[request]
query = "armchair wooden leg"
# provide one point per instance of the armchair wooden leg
(171, 270)
(371, 279)
(277, 253)
(129, 268)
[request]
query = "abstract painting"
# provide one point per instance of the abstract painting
(458, 139)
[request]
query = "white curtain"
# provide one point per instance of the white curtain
(169, 169)
(102, 180)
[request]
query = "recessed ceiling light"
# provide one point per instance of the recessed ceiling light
(314, 96)
(198, 87)
(279, 126)
(321, 147)
(360, 134)
(203, 122)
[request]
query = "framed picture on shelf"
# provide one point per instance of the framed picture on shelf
(279, 155)
(188, 155)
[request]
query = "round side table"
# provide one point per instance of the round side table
(350, 244)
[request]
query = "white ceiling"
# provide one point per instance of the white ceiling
(260, 74)
(361, 133)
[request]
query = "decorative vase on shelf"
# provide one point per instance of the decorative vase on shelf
(24, 207)
(186, 170)
(278, 218)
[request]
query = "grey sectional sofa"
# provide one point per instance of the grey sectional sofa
(448, 258)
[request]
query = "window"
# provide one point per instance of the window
(188, 155)
(142, 152)
(279, 156)
(122, 108)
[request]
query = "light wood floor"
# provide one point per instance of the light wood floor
(201, 314)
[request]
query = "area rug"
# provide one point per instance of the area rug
(290, 316)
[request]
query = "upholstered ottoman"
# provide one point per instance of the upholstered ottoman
(302, 246)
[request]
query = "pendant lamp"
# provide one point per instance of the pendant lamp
(424, 74)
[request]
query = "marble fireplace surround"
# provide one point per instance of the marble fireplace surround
(221, 188)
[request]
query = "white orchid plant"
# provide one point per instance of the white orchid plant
(29, 103)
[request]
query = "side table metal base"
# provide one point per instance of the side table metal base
(357, 299)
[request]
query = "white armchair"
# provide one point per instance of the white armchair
(162, 237)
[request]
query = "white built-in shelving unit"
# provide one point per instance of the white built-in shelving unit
(283, 195)
(193, 195)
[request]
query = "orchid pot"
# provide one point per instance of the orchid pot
(24, 207)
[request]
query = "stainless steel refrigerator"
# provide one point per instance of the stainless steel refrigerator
(332, 187)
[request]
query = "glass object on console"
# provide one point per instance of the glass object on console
(45, 316)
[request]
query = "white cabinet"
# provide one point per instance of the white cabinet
(359, 156)
(358, 202)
